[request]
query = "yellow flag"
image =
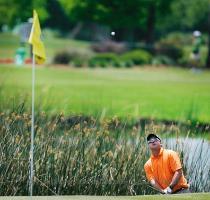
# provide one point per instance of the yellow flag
(35, 41)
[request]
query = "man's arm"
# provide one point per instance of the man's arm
(176, 178)
(151, 178)
(176, 167)
(156, 185)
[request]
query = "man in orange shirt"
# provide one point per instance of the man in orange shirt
(163, 169)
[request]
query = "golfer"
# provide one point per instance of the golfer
(163, 169)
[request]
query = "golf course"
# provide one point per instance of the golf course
(159, 93)
(105, 100)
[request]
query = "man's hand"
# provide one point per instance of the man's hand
(168, 190)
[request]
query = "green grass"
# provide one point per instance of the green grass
(162, 93)
(198, 196)
(9, 44)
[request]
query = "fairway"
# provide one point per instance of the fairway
(198, 196)
(159, 93)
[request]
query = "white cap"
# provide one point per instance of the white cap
(197, 33)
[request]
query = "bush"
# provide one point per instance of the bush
(162, 60)
(63, 57)
(104, 59)
(128, 63)
(117, 63)
(77, 58)
(137, 57)
(169, 47)
(92, 63)
(179, 39)
(96, 62)
(78, 62)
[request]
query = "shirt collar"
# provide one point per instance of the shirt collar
(160, 154)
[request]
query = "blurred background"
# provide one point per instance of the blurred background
(157, 32)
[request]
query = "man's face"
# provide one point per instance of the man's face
(154, 143)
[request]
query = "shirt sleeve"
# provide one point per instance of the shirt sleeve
(148, 171)
(174, 161)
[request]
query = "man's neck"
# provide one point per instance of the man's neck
(156, 152)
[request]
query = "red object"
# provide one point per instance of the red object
(6, 61)
(28, 61)
(11, 61)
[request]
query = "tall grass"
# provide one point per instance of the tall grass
(196, 158)
(78, 155)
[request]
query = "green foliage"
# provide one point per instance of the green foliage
(40, 7)
(162, 60)
(57, 16)
(186, 15)
(137, 57)
(179, 38)
(77, 62)
(170, 47)
(107, 12)
(127, 63)
(77, 58)
(63, 57)
(14, 13)
(104, 60)
(64, 15)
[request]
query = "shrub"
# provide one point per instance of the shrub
(137, 57)
(63, 57)
(117, 63)
(96, 62)
(169, 47)
(162, 60)
(179, 39)
(128, 63)
(104, 59)
(78, 62)
(92, 62)
(77, 58)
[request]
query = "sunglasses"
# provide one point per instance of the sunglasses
(152, 141)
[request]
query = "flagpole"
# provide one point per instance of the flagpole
(39, 54)
(32, 130)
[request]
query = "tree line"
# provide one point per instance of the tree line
(136, 20)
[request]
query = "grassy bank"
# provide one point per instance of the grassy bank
(198, 196)
(161, 93)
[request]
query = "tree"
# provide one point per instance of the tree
(15, 11)
(57, 17)
(156, 10)
(208, 56)
(186, 16)
(131, 20)
(123, 17)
